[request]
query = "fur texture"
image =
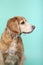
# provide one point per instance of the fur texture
(11, 44)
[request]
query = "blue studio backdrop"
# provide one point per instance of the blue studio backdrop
(32, 11)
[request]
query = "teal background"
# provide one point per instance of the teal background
(32, 11)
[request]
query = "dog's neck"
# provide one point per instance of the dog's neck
(14, 41)
(11, 34)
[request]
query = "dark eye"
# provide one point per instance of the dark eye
(22, 22)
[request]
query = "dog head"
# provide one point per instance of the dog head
(20, 25)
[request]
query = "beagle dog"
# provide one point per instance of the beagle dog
(11, 42)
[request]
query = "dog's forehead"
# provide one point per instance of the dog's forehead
(19, 18)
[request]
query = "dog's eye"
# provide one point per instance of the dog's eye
(22, 22)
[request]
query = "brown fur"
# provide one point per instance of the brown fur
(14, 28)
(13, 25)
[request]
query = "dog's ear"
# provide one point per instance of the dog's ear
(13, 25)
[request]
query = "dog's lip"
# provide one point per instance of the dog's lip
(27, 32)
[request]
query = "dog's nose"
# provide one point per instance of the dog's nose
(33, 26)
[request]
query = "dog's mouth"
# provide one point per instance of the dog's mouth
(29, 32)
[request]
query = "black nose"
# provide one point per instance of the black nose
(33, 27)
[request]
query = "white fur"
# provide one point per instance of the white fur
(26, 27)
(12, 49)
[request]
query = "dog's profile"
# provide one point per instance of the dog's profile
(11, 42)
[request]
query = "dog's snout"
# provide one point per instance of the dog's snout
(33, 27)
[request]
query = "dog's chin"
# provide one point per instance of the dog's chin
(28, 32)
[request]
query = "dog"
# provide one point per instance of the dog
(11, 42)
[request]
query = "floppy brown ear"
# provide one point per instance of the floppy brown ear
(13, 25)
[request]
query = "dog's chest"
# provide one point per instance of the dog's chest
(12, 48)
(16, 47)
